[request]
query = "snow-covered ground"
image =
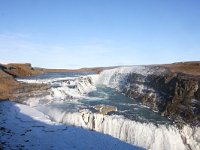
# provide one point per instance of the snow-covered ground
(23, 127)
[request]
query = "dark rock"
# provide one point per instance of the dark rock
(175, 95)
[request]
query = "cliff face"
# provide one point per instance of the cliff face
(7, 85)
(10, 88)
(19, 70)
(175, 95)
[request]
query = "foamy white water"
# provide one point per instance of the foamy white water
(68, 88)
(146, 135)
(127, 124)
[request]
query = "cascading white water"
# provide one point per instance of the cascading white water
(187, 138)
(74, 88)
(113, 77)
(116, 77)
(146, 135)
(69, 88)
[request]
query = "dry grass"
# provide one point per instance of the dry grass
(19, 70)
(95, 70)
(8, 85)
(192, 68)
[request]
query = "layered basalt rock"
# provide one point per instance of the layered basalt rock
(175, 95)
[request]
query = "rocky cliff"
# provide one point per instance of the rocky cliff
(173, 94)
(19, 70)
(12, 89)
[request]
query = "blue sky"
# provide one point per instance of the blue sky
(88, 33)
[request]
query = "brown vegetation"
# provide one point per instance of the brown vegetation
(192, 68)
(9, 87)
(95, 70)
(19, 70)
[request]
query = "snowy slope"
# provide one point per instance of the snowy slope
(22, 127)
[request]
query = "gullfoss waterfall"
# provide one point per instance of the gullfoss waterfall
(97, 102)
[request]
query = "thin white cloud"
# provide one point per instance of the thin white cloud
(22, 48)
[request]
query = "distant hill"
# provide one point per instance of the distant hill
(192, 68)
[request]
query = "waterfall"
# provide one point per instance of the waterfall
(146, 135)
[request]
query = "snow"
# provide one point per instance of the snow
(23, 127)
